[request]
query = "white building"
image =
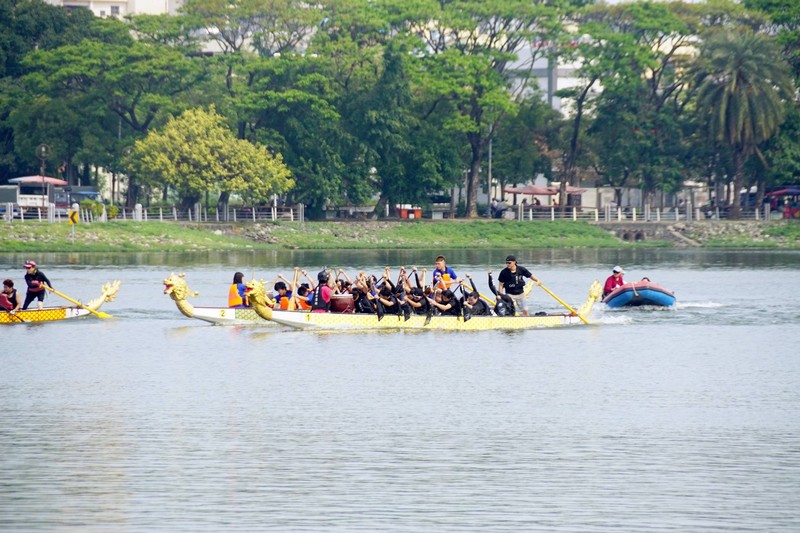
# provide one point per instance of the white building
(121, 8)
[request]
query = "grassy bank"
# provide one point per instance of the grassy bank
(163, 236)
(479, 234)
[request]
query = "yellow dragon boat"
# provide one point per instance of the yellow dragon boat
(177, 289)
(52, 314)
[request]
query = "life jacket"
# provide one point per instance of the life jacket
(319, 304)
(234, 300)
(444, 281)
(302, 303)
(5, 302)
(283, 301)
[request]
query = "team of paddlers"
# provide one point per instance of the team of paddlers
(407, 294)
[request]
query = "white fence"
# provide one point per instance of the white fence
(162, 214)
(296, 214)
(633, 214)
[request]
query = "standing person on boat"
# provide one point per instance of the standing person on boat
(511, 282)
(35, 279)
(613, 281)
(322, 294)
(9, 300)
(443, 275)
(237, 296)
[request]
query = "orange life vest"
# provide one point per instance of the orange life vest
(234, 300)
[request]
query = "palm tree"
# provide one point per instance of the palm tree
(742, 83)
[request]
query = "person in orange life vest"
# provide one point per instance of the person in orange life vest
(443, 275)
(237, 293)
(35, 279)
(9, 300)
(613, 281)
(282, 295)
(303, 297)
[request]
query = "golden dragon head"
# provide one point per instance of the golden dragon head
(259, 300)
(596, 290)
(110, 291)
(177, 288)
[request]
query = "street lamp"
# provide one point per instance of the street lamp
(41, 153)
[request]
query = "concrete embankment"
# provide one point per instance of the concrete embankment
(695, 234)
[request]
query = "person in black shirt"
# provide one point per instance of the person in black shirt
(35, 279)
(511, 282)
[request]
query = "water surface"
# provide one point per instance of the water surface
(649, 420)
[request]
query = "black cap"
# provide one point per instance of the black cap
(510, 258)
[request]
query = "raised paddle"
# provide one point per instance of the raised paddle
(562, 302)
(99, 314)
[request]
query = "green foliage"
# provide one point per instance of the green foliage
(196, 153)
(396, 98)
(95, 208)
(741, 87)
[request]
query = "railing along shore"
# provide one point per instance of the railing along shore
(296, 214)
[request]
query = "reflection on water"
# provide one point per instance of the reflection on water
(579, 257)
(684, 419)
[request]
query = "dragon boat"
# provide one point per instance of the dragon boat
(53, 314)
(177, 289)
(640, 293)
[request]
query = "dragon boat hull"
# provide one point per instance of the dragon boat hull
(262, 312)
(307, 320)
(355, 321)
(229, 316)
(46, 314)
(638, 294)
(58, 313)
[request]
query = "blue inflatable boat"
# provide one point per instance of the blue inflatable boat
(640, 293)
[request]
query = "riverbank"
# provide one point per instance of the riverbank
(457, 234)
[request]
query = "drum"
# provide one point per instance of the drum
(342, 303)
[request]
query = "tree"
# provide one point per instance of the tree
(195, 153)
(741, 87)
(478, 57)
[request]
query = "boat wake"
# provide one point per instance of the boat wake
(610, 318)
(699, 305)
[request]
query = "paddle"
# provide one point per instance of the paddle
(562, 302)
(17, 317)
(293, 303)
(99, 314)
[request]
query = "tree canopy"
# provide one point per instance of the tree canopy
(398, 100)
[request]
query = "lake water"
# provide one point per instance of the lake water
(649, 420)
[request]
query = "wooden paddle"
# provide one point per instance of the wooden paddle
(292, 302)
(99, 314)
(562, 302)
